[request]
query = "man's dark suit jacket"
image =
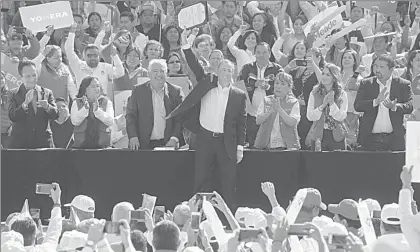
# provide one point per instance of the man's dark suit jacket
(235, 116)
(140, 116)
(30, 130)
(251, 69)
(368, 91)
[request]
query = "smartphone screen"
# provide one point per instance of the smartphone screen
(44, 188)
(298, 230)
(159, 213)
(208, 196)
(301, 62)
(195, 221)
(376, 214)
(138, 215)
(35, 214)
(248, 234)
(112, 227)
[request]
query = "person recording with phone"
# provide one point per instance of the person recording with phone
(16, 48)
(31, 106)
(92, 114)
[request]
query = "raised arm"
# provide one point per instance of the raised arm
(72, 57)
(191, 59)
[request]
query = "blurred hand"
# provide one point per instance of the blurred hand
(184, 36)
(233, 242)
(85, 225)
(268, 189)
(56, 193)
(95, 105)
(169, 216)
(406, 175)
(28, 33)
(42, 104)
(192, 236)
(280, 234)
(195, 31)
(354, 243)
(134, 143)
(243, 29)
(204, 239)
(85, 102)
(125, 233)
(96, 232)
(29, 97)
(219, 202)
(149, 220)
(114, 51)
(331, 95)
(373, 11)
(314, 232)
(73, 28)
(390, 104)
(193, 204)
(50, 30)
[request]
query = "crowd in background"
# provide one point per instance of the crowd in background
(300, 96)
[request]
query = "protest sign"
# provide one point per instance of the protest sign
(192, 16)
(366, 222)
(10, 68)
(149, 202)
(329, 24)
(215, 223)
(412, 149)
(292, 215)
(38, 17)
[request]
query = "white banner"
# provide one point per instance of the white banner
(412, 149)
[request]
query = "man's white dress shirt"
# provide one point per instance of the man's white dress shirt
(213, 109)
(383, 122)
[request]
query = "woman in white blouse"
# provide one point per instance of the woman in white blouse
(92, 114)
(327, 109)
(245, 51)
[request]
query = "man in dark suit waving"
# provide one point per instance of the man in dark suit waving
(215, 112)
(384, 100)
(30, 108)
(148, 107)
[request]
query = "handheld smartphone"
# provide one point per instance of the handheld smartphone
(353, 40)
(195, 221)
(297, 229)
(66, 210)
(20, 30)
(138, 215)
(248, 234)
(44, 188)
(112, 227)
(208, 196)
(159, 213)
(35, 214)
(376, 214)
(301, 63)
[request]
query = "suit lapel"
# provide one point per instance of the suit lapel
(148, 101)
(393, 92)
(229, 104)
(167, 100)
(375, 86)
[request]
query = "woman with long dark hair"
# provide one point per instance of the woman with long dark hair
(288, 39)
(92, 114)
(222, 40)
(327, 109)
(244, 53)
(262, 23)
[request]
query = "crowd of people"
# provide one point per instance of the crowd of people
(353, 91)
(206, 223)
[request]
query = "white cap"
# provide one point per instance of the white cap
(322, 221)
(12, 241)
(71, 240)
(251, 217)
(84, 203)
(390, 214)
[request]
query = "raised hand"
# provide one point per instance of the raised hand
(268, 189)
(29, 97)
(50, 30)
(73, 28)
(406, 176)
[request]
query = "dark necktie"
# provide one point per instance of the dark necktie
(34, 101)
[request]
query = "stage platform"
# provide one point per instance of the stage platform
(114, 175)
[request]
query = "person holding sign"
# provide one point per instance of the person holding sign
(148, 108)
(385, 100)
(31, 106)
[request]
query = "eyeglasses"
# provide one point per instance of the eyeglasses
(174, 62)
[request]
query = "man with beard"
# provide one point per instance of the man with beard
(384, 100)
(91, 65)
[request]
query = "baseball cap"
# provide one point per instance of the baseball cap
(84, 203)
(346, 208)
(390, 214)
(147, 6)
(72, 240)
(313, 199)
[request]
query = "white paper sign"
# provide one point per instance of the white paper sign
(215, 223)
(366, 221)
(148, 202)
(327, 28)
(38, 17)
(412, 149)
(291, 216)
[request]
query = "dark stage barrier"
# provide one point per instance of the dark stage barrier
(112, 176)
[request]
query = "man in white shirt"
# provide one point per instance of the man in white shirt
(91, 65)
(384, 100)
(215, 112)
